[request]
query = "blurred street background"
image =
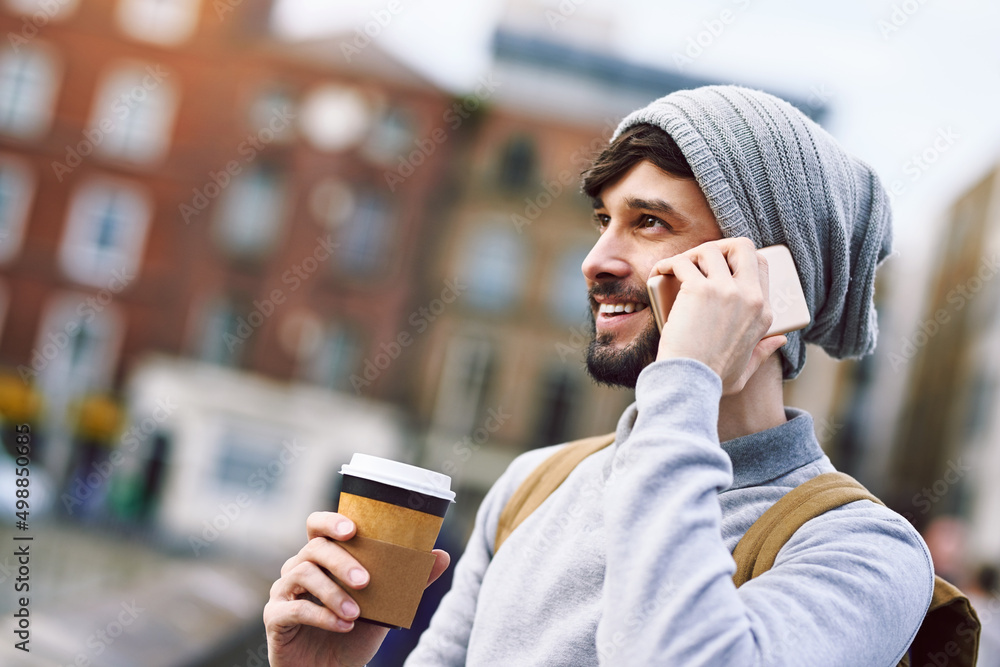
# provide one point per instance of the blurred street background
(241, 240)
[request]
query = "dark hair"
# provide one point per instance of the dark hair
(637, 143)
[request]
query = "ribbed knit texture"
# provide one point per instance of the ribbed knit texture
(773, 175)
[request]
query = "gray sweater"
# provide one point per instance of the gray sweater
(629, 561)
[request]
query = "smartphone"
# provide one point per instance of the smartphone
(788, 302)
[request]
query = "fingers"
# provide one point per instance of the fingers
(330, 524)
(440, 565)
(305, 580)
(282, 616)
(332, 557)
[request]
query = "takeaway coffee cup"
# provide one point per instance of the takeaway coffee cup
(398, 509)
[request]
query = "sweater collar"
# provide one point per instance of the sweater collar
(760, 457)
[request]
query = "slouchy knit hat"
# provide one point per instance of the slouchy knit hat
(771, 174)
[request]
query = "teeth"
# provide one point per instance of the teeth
(621, 307)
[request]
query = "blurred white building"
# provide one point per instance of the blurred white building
(238, 460)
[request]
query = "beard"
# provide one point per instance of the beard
(614, 367)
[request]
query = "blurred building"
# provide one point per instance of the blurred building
(249, 457)
(172, 180)
(947, 454)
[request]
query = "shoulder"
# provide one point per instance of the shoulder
(875, 555)
(505, 486)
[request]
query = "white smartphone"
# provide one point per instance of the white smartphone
(788, 302)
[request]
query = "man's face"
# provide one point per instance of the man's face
(645, 216)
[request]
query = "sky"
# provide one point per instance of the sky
(912, 86)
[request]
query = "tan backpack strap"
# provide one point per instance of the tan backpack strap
(950, 617)
(950, 614)
(543, 480)
(757, 549)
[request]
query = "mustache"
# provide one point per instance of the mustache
(619, 291)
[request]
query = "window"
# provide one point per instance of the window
(166, 22)
(81, 350)
(17, 186)
(495, 263)
(517, 164)
(28, 82)
(391, 137)
(560, 392)
(250, 216)
(219, 342)
(105, 233)
(331, 202)
(466, 378)
(244, 450)
(364, 239)
(271, 115)
(568, 288)
(51, 9)
(336, 359)
(133, 113)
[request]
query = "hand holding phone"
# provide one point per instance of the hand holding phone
(714, 304)
(788, 302)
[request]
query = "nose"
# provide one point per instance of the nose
(606, 260)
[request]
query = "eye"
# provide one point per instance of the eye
(648, 221)
(601, 221)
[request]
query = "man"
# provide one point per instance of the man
(628, 561)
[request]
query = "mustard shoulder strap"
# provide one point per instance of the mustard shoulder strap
(950, 619)
(542, 481)
(759, 546)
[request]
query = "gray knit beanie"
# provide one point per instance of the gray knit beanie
(771, 174)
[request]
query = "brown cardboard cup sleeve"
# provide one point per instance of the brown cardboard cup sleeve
(398, 578)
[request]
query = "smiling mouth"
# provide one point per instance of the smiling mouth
(612, 309)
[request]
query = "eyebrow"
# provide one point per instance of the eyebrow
(660, 206)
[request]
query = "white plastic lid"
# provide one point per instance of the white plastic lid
(399, 474)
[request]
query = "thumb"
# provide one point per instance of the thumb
(764, 349)
(443, 560)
